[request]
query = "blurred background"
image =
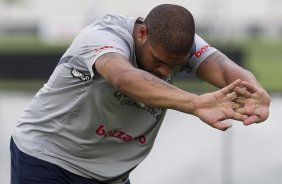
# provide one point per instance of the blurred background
(35, 33)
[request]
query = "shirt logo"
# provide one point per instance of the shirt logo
(123, 99)
(80, 75)
(118, 134)
(97, 50)
(202, 50)
(103, 48)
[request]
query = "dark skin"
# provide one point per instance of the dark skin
(154, 60)
(219, 70)
(234, 101)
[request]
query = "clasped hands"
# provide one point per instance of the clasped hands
(239, 101)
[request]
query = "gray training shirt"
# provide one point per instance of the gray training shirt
(81, 123)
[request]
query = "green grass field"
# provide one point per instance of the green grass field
(264, 59)
(262, 56)
(28, 44)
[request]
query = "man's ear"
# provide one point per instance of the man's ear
(142, 34)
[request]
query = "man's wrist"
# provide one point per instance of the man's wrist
(193, 104)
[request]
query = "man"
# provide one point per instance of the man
(98, 115)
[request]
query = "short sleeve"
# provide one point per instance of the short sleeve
(100, 42)
(199, 52)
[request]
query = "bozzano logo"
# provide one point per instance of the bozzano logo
(121, 135)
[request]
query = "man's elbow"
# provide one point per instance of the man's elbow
(123, 80)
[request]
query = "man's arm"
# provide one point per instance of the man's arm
(211, 108)
(220, 71)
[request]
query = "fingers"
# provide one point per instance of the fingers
(238, 90)
(230, 88)
(240, 110)
(222, 125)
(251, 88)
(237, 100)
(242, 88)
(239, 117)
(252, 119)
(243, 92)
(232, 96)
(240, 101)
(234, 92)
(236, 106)
(247, 120)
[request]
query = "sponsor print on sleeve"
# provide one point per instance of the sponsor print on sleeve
(198, 53)
(105, 47)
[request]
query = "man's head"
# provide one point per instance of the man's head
(165, 38)
(171, 27)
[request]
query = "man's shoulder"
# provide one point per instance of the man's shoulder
(115, 20)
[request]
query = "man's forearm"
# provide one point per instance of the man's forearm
(143, 86)
(220, 71)
(153, 91)
(243, 74)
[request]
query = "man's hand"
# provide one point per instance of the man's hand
(255, 105)
(213, 108)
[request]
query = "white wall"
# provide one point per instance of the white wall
(223, 16)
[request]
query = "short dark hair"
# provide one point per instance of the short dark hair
(172, 27)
